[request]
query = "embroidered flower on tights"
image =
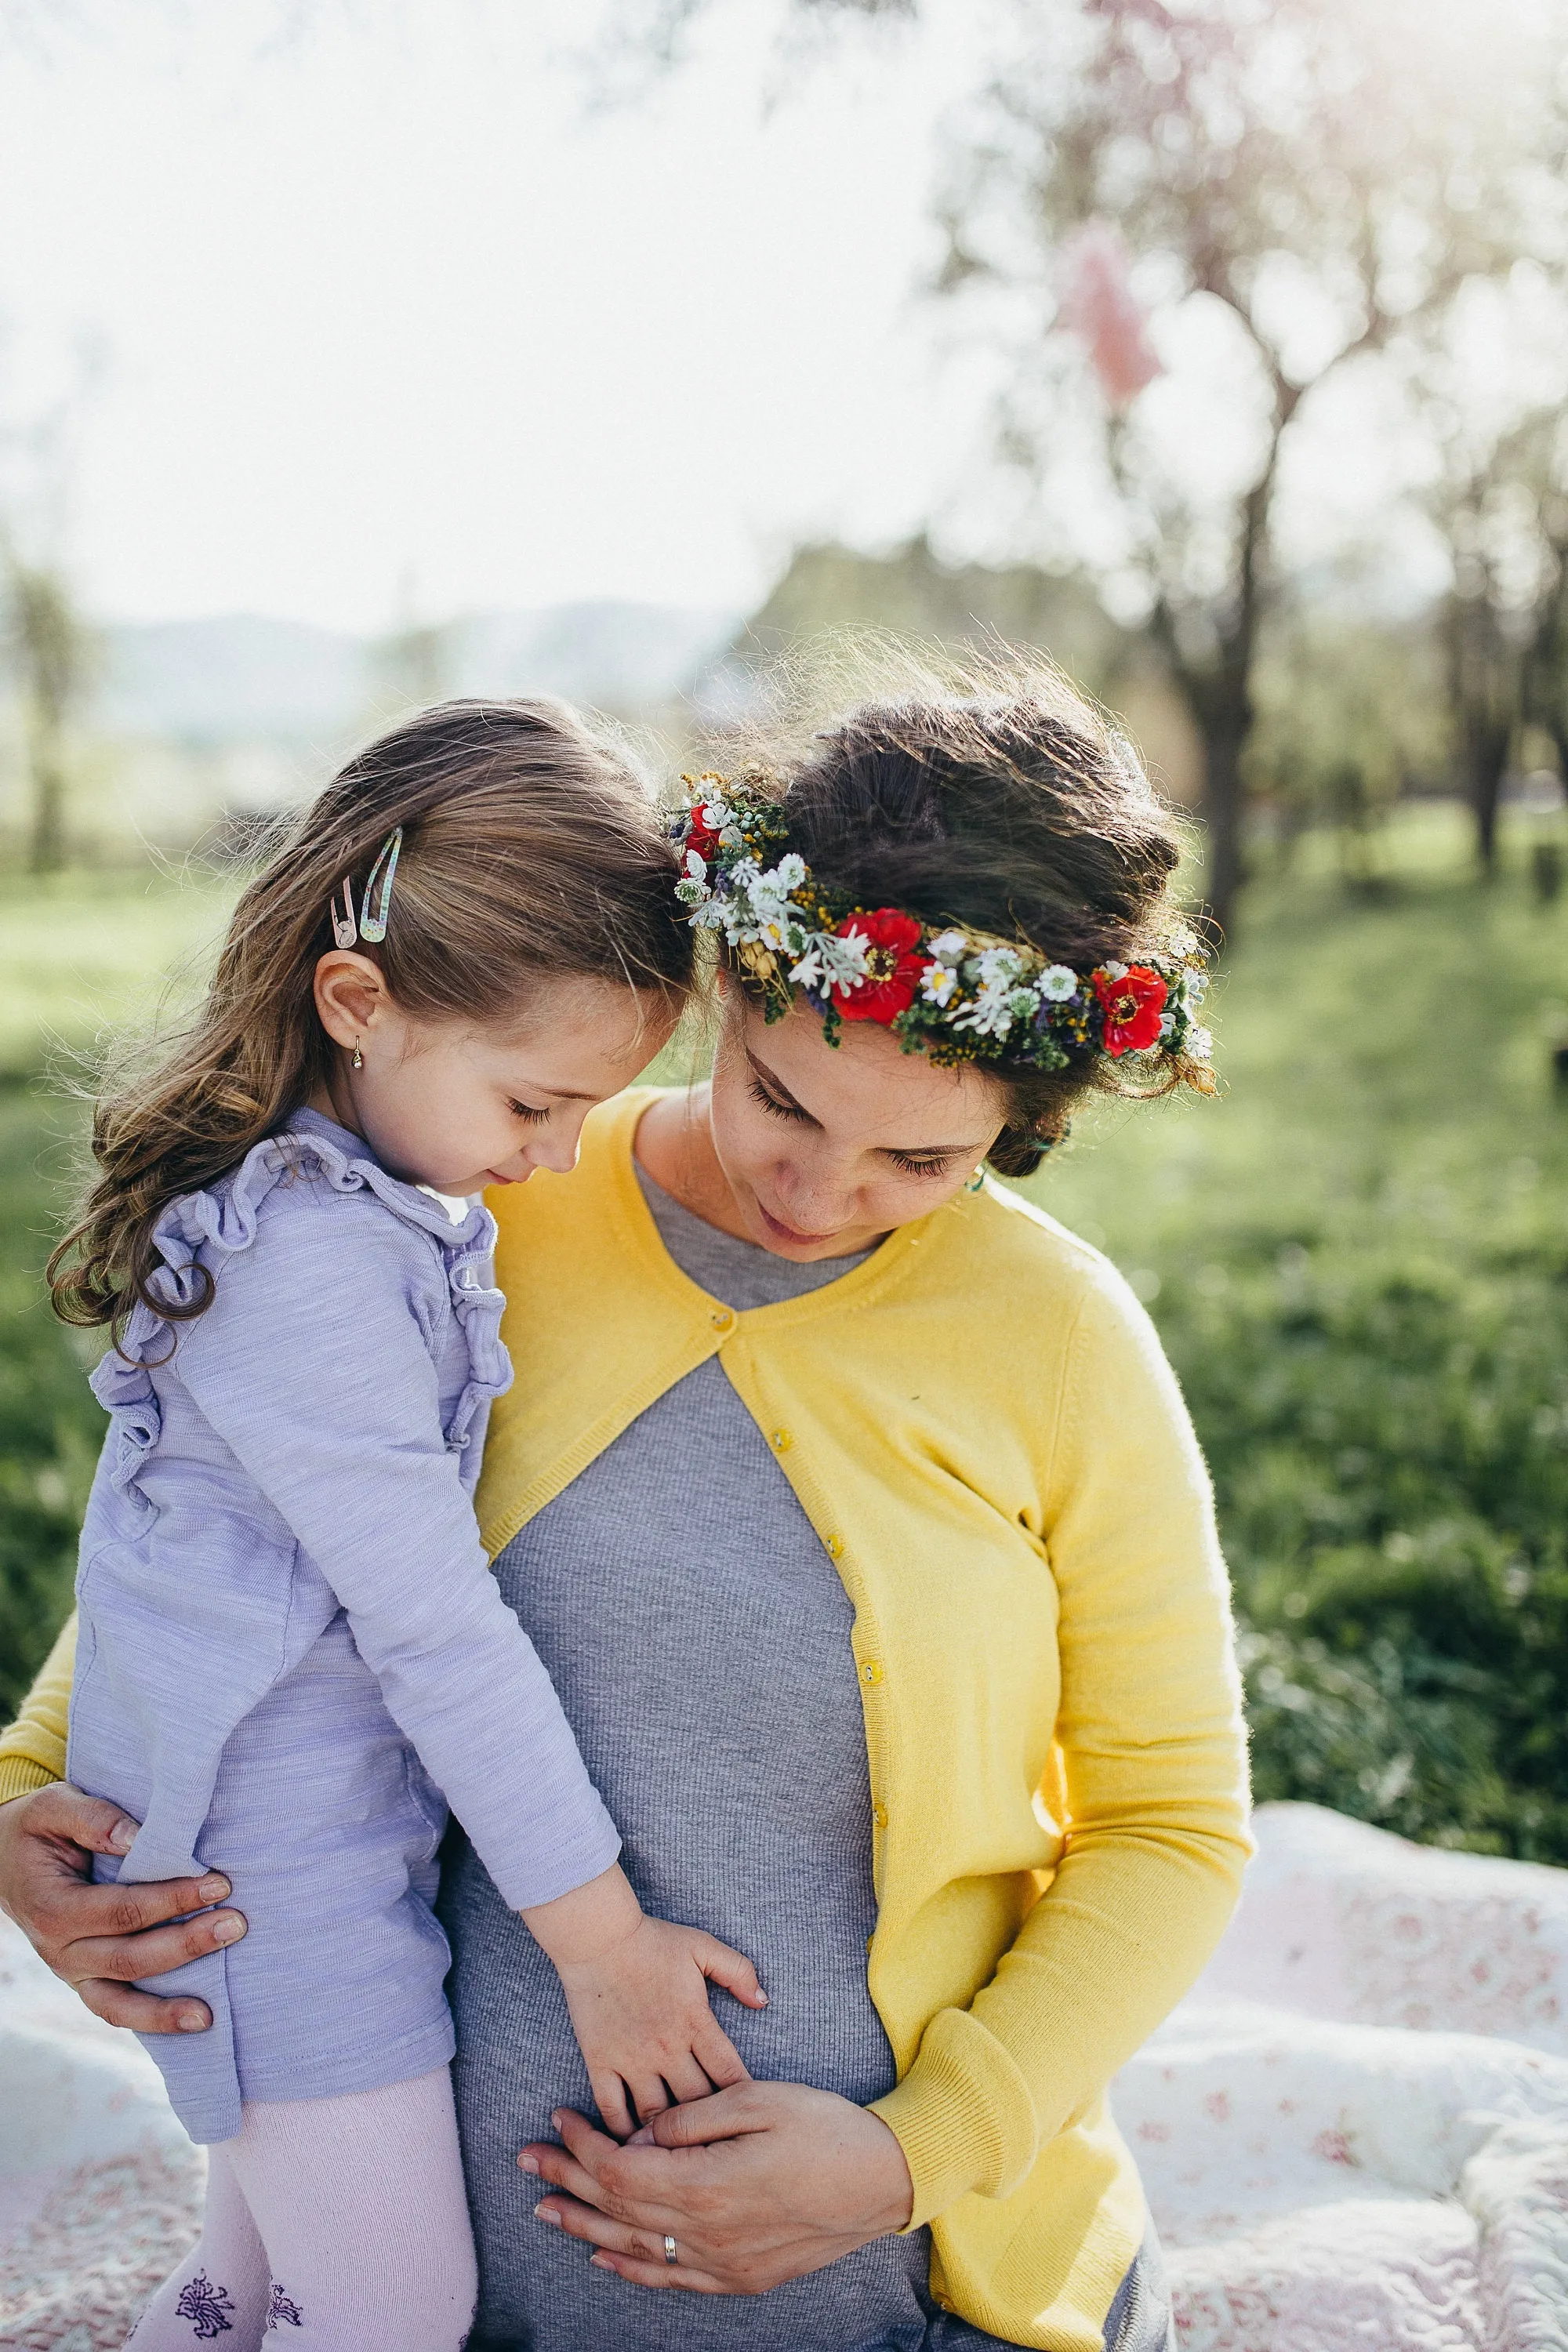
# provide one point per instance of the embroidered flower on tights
(205, 2304)
(280, 2306)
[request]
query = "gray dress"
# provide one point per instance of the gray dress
(700, 1639)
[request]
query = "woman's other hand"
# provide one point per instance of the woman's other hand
(758, 2184)
(99, 1938)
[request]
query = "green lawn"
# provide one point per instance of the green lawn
(1357, 1256)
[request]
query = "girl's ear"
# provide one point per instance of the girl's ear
(351, 996)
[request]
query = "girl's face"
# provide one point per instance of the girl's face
(825, 1148)
(459, 1107)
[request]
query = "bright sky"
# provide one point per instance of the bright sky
(388, 308)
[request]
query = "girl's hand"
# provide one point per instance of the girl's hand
(756, 2184)
(637, 1992)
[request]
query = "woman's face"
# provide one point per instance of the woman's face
(826, 1147)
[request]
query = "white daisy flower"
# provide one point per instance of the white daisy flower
(937, 982)
(999, 967)
(1058, 983)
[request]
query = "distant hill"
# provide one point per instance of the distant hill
(243, 678)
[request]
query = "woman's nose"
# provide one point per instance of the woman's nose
(818, 1198)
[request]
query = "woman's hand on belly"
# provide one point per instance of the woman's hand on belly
(759, 2184)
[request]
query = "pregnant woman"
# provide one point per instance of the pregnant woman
(856, 1518)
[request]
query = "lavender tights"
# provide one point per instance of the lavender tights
(331, 2224)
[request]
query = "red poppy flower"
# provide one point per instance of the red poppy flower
(703, 836)
(1131, 1006)
(893, 969)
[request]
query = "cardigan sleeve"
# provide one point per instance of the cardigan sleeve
(33, 1749)
(314, 1366)
(1152, 1768)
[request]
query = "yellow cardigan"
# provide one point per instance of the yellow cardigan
(981, 1427)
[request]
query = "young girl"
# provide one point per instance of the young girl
(292, 1652)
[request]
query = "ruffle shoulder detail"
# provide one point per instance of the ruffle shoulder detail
(202, 1231)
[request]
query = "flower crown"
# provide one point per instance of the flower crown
(954, 994)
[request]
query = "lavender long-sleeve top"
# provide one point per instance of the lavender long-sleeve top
(292, 1651)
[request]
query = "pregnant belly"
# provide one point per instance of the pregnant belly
(517, 2060)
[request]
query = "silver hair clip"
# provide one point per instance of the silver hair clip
(345, 932)
(373, 926)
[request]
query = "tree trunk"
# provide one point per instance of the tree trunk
(48, 842)
(1486, 762)
(1225, 733)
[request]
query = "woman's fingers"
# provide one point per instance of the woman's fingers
(730, 2114)
(596, 2229)
(152, 1953)
(722, 1965)
(660, 2274)
(143, 2012)
(92, 1822)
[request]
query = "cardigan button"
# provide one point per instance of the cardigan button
(871, 1672)
(721, 1319)
(780, 1440)
(834, 1547)
(880, 1815)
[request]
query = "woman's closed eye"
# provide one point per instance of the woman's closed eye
(768, 1101)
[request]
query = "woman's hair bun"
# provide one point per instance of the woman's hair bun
(989, 794)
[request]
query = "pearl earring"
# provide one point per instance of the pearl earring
(359, 1057)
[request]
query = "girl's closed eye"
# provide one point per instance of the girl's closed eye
(527, 1110)
(908, 1165)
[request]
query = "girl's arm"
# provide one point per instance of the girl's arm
(1153, 1795)
(313, 1366)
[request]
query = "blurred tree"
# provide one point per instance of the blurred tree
(1349, 714)
(1291, 187)
(412, 664)
(53, 654)
(1543, 681)
(913, 592)
(1303, 185)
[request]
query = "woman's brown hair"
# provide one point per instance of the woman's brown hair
(531, 852)
(987, 794)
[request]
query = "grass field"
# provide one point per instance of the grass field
(1358, 1258)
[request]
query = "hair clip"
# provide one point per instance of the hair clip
(373, 926)
(345, 932)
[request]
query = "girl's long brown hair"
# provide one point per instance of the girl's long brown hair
(532, 851)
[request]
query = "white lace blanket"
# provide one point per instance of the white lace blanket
(1354, 2133)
